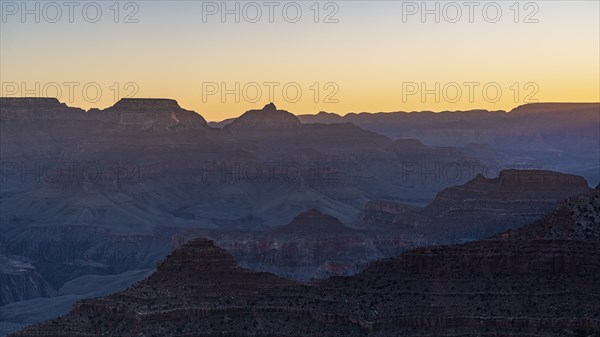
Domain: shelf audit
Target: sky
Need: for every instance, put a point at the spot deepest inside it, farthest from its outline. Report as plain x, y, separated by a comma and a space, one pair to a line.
223, 58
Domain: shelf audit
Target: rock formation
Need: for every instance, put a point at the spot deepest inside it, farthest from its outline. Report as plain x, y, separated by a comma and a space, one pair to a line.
267, 117
481, 207
19, 281
151, 113
313, 245
164, 171
555, 136
541, 280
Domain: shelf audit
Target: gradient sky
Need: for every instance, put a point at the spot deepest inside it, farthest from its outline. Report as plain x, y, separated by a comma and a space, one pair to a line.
370, 55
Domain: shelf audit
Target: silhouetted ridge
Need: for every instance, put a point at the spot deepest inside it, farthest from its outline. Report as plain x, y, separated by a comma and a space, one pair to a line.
44, 105
12, 101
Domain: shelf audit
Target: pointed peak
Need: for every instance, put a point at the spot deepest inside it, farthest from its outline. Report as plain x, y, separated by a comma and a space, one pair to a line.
268, 116
270, 107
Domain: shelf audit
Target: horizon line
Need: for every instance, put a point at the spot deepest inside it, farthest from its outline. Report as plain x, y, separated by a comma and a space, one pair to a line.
305, 114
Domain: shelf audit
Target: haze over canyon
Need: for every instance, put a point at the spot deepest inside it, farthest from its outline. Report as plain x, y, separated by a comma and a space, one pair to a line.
145, 219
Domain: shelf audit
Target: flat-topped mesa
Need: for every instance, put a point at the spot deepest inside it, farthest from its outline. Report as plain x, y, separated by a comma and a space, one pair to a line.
198, 254
142, 105
33, 107
486, 206
267, 117
9, 102
153, 113
521, 188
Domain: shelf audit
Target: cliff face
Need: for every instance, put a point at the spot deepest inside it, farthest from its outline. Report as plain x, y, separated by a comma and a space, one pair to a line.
541, 280
484, 207
481, 207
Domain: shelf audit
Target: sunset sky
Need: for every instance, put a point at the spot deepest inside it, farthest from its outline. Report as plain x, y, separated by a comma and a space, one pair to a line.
370, 60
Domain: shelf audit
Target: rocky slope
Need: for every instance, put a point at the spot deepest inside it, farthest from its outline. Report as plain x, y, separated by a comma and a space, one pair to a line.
541, 280
19, 281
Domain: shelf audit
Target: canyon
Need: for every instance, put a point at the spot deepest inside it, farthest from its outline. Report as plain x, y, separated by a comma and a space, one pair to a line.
100, 196
539, 280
